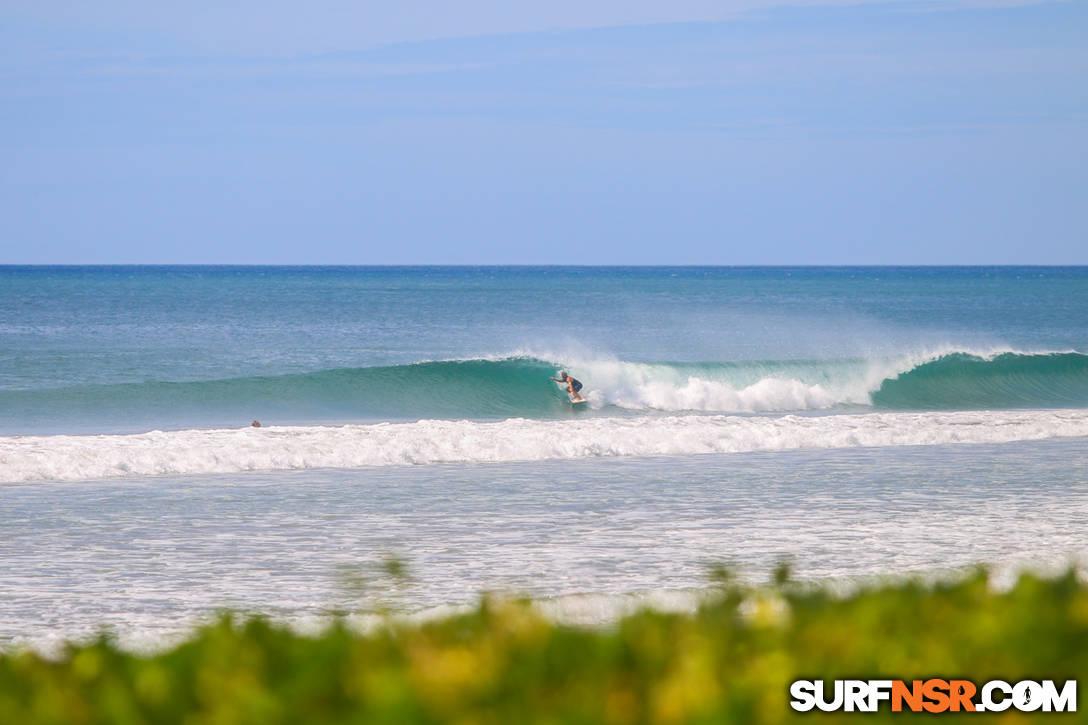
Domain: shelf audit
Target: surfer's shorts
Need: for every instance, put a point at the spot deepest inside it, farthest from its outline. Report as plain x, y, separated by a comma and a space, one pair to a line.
575, 385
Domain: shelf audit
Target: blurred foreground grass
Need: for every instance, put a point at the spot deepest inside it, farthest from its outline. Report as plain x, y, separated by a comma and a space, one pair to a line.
732, 661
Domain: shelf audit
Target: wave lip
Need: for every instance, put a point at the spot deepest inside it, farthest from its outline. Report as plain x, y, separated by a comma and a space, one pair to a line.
194, 452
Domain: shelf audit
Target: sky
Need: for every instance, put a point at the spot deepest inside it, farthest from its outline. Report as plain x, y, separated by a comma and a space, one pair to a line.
480, 132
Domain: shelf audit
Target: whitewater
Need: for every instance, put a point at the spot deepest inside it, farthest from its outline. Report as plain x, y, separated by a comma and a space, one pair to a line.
72, 458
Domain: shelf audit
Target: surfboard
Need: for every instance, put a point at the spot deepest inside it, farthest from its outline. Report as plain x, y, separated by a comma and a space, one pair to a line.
579, 401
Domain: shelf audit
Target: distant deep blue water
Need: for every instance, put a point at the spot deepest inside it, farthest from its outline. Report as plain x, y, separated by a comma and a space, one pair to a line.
415, 398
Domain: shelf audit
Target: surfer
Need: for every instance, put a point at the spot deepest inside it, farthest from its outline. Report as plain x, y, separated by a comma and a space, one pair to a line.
573, 386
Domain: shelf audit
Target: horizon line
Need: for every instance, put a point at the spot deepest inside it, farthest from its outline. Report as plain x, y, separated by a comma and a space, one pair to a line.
469, 265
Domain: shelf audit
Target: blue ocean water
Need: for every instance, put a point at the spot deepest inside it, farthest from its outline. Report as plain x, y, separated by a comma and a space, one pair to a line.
111, 349
928, 417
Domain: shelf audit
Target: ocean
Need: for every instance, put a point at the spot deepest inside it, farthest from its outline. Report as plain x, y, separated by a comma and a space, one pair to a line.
857, 422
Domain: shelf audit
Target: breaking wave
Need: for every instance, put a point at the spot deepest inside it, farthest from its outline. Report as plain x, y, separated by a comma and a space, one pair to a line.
519, 387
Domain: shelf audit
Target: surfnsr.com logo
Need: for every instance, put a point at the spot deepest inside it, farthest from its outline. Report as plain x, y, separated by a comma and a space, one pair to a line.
934, 695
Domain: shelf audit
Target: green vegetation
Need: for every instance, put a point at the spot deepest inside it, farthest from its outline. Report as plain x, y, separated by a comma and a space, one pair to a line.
732, 661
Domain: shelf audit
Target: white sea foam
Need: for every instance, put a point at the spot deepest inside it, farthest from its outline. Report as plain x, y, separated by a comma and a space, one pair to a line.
71, 458
746, 387
638, 386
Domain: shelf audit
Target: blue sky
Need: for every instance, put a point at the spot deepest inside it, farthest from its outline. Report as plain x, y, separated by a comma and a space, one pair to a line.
739, 132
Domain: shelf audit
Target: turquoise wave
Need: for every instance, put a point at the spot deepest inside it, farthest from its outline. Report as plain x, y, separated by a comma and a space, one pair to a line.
519, 387
1010, 380
461, 388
